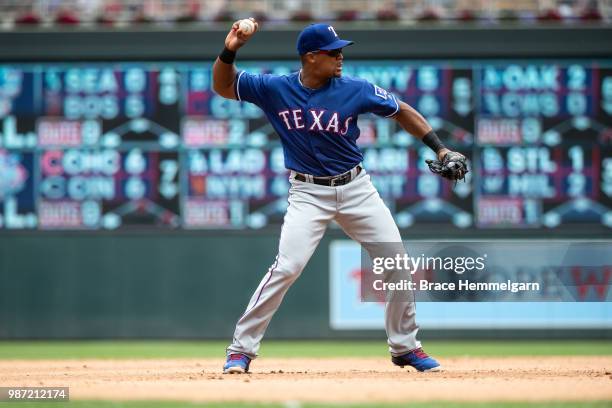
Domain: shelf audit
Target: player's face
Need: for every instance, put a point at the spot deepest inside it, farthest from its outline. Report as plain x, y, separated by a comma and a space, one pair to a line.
329, 62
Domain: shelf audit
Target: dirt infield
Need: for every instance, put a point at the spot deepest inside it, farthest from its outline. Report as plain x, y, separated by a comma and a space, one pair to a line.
322, 380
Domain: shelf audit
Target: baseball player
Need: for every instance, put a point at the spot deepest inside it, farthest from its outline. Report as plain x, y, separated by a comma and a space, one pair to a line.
315, 111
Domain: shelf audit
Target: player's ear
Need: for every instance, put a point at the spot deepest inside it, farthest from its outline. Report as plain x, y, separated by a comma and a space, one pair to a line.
309, 57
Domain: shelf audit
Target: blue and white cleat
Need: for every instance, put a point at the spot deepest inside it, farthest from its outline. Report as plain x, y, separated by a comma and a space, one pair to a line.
236, 364
417, 359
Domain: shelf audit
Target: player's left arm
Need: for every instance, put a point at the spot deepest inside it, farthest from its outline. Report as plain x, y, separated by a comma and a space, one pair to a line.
415, 124
450, 165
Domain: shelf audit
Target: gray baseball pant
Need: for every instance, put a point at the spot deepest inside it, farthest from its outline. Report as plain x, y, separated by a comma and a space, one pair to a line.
362, 214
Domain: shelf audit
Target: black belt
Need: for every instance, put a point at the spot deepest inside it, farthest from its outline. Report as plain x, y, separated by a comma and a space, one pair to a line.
334, 181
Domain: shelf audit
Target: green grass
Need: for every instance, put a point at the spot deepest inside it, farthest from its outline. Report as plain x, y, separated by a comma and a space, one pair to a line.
441, 404
285, 349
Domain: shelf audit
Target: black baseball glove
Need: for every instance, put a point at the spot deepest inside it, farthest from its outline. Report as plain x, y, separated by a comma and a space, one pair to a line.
453, 166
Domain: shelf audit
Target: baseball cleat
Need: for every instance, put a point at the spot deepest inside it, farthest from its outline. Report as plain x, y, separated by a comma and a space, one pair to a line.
236, 364
418, 359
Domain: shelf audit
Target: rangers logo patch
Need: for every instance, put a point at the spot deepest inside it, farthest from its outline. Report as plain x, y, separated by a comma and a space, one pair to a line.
380, 92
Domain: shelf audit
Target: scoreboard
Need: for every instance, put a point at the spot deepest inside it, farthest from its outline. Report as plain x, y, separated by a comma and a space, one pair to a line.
116, 145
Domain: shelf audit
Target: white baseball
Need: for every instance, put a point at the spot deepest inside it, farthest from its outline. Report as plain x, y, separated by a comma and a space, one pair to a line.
246, 26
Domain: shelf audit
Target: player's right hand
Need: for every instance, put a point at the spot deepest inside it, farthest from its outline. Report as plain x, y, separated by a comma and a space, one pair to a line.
236, 38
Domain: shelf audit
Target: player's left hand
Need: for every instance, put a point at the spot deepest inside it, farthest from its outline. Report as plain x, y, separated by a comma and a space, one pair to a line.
450, 165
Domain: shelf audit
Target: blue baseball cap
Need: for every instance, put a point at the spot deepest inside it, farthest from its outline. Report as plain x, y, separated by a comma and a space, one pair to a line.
319, 37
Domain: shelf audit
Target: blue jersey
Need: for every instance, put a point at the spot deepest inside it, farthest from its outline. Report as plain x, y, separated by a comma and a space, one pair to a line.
317, 127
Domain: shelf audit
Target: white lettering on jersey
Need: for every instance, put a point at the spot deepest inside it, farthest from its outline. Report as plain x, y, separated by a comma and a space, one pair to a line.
333, 123
297, 118
380, 92
316, 117
344, 131
285, 116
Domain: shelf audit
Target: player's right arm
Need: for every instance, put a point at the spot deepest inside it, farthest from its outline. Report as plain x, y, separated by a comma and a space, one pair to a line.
224, 73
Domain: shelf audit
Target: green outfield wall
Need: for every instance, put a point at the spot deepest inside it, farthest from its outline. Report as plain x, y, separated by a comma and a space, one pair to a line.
189, 42
168, 285
147, 285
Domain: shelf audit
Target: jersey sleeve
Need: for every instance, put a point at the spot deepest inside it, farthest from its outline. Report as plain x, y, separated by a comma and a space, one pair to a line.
379, 101
251, 87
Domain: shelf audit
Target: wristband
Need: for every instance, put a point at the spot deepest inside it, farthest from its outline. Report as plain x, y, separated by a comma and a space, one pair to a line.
228, 56
433, 142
